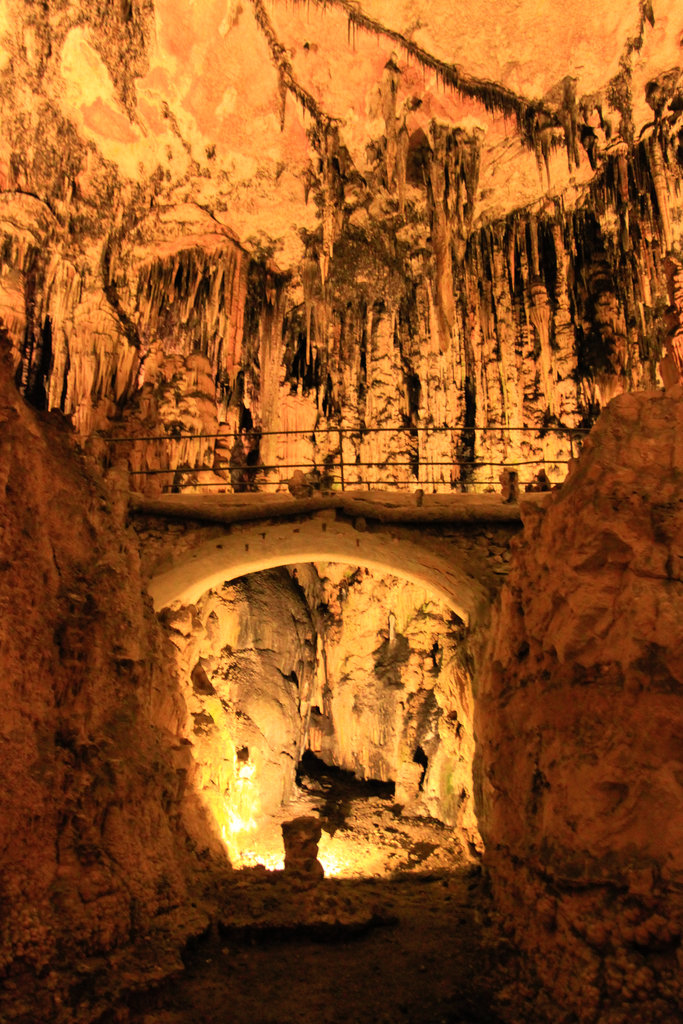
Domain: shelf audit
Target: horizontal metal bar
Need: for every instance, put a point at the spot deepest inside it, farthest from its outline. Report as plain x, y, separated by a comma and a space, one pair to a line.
365, 483
380, 465
350, 430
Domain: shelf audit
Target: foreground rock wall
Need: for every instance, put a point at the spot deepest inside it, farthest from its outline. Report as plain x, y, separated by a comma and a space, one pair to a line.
94, 862
580, 723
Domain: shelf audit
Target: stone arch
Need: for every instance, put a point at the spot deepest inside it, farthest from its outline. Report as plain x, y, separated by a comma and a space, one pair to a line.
258, 546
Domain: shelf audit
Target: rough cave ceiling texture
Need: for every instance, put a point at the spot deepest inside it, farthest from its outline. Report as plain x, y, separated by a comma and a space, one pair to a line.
229, 106
289, 215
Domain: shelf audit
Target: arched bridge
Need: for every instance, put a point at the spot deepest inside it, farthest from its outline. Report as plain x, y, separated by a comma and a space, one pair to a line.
455, 544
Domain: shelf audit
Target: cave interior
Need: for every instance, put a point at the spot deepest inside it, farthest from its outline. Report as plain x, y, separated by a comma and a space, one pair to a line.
341, 521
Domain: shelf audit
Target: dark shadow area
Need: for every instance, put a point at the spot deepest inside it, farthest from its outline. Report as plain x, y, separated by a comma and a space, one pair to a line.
339, 788
419, 757
414, 949
390, 656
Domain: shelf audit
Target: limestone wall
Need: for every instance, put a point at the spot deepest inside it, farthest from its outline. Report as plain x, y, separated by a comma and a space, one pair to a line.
580, 723
393, 686
94, 865
428, 260
246, 657
367, 672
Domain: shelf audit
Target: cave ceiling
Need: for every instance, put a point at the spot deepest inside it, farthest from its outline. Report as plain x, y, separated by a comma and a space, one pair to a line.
204, 118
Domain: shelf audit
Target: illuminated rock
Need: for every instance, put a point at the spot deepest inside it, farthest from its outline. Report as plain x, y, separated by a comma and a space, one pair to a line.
425, 243
268, 675
372, 243
301, 837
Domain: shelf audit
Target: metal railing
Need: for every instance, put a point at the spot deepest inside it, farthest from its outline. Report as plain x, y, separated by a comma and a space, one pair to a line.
334, 472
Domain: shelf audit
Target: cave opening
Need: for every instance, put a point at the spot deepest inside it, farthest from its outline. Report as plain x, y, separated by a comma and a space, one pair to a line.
313, 693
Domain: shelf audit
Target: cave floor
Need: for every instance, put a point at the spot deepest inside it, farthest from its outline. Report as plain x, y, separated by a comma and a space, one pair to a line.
413, 941
417, 949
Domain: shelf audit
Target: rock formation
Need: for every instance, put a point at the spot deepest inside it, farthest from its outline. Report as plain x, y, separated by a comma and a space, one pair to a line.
301, 837
579, 721
246, 662
448, 255
94, 855
367, 673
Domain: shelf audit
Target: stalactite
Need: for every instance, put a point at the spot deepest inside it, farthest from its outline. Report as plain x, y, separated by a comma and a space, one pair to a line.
659, 181
671, 366
331, 188
564, 359
282, 89
270, 360
402, 150
453, 179
622, 172
480, 330
284, 68
569, 118
199, 297
310, 280
540, 316
388, 93
19, 261
442, 228
508, 370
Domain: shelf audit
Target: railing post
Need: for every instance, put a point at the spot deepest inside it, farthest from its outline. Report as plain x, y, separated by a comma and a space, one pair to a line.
341, 457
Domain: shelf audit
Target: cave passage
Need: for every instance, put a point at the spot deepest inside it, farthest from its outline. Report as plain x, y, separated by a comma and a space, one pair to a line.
315, 691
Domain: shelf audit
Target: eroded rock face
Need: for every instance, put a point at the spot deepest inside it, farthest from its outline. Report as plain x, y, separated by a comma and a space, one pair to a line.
246, 656
93, 857
301, 837
393, 696
240, 219
580, 722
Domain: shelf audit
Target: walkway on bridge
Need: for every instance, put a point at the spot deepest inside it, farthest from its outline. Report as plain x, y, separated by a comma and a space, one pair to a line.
348, 458
379, 506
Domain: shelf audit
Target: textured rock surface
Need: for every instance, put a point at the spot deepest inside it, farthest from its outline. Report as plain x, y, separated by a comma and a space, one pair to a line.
254, 218
93, 856
393, 686
454, 235
301, 837
367, 673
580, 722
246, 658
